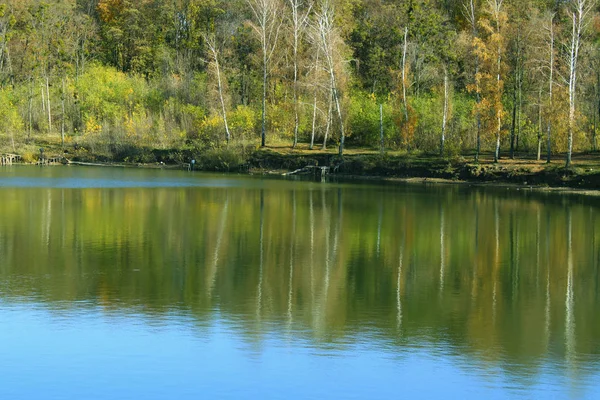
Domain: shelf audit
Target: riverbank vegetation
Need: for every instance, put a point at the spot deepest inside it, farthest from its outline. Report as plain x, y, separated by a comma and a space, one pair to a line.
127, 80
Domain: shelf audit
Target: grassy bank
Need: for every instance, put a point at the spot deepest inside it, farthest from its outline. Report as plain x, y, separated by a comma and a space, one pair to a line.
247, 157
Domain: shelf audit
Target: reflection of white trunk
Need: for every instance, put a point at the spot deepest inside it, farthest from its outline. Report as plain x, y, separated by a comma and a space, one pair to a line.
212, 272
312, 248
292, 249
474, 277
549, 267
261, 258
327, 257
442, 252
379, 222
63, 225
517, 270
48, 220
398, 291
547, 322
569, 301
496, 261
537, 251
320, 305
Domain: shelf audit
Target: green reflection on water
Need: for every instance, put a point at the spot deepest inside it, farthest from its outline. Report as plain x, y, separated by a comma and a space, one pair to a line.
510, 278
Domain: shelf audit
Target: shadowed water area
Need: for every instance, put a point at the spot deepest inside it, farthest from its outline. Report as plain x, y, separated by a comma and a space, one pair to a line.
151, 284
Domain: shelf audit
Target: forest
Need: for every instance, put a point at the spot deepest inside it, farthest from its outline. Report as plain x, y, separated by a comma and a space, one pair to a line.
511, 78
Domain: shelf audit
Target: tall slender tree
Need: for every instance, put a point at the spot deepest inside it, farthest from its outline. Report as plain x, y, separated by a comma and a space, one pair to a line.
300, 11
267, 24
329, 44
491, 50
580, 10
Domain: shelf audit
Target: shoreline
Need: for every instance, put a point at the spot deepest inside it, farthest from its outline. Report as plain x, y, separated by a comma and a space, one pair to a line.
491, 184
521, 174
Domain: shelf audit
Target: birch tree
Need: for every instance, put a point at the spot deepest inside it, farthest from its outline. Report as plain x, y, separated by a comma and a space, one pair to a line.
405, 75
445, 112
299, 18
329, 45
470, 13
580, 10
551, 57
267, 24
211, 43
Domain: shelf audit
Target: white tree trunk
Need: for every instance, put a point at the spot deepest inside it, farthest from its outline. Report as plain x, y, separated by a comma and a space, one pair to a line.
580, 20
62, 119
325, 21
298, 23
328, 124
49, 107
267, 25
497, 9
314, 117
551, 84
404, 101
540, 129
212, 46
445, 112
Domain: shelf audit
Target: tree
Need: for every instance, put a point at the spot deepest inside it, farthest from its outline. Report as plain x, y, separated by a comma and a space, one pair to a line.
470, 13
10, 120
490, 49
267, 23
214, 52
580, 10
299, 18
329, 46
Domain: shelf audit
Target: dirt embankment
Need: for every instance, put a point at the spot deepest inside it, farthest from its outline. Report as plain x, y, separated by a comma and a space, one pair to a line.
585, 173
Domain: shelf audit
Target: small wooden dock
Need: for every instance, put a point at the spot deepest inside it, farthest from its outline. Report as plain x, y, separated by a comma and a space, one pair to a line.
9, 159
52, 160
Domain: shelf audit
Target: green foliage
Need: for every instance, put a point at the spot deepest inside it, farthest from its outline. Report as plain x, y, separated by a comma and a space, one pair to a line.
244, 122
429, 116
10, 120
364, 118
110, 96
221, 159
118, 74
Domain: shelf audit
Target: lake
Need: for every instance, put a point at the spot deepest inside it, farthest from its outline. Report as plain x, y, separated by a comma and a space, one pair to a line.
156, 284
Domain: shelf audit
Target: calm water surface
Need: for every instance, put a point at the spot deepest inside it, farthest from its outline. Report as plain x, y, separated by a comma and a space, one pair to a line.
150, 284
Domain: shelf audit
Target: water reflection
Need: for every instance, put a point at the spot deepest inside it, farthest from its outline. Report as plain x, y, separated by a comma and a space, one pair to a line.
506, 280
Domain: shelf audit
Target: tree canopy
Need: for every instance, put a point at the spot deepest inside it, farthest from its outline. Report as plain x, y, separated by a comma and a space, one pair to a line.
489, 74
